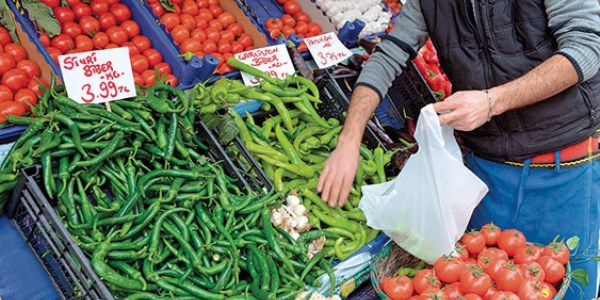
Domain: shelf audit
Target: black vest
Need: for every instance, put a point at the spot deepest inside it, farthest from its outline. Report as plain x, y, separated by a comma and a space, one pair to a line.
495, 42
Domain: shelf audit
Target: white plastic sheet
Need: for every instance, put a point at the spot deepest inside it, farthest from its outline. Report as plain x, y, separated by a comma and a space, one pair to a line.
426, 209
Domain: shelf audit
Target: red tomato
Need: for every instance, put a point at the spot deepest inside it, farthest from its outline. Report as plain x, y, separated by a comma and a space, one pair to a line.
89, 25
291, 7
14, 79
288, 20
472, 297
509, 278
121, 12
226, 19
63, 14
188, 22
133, 50
158, 10
149, 77
81, 9
51, 3
492, 268
163, 68
29, 67
63, 42
154, 57
491, 232
236, 28
131, 27
170, 20
202, 3
475, 281
99, 6
209, 47
139, 63
554, 270
12, 108
6, 94
170, 79
213, 36
204, 14
141, 42
71, 29
397, 287
274, 33
510, 240
532, 289
111, 46
215, 10
302, 16
532, 270
490, 293
138, 79
117, 35
286, 30
4, 36
448, 269
190, 45
54, 53
425, 280
25, 96
237, 47
180, 33
198, 35
434, 295
7, 62
505, 296
100, 40
474, 241
314, 28
301, 27
72, 3
452, 291
549, 287
44, 38
224, 48
527, 253
38, 85
488, 254
215, 25
107, 20
84, 43
556, 250
189, 7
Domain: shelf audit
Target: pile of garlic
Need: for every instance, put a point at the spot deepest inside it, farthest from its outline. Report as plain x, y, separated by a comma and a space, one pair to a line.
371, 12
292, 216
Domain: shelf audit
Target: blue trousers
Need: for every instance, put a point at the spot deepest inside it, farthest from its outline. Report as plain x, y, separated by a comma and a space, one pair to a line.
543, 202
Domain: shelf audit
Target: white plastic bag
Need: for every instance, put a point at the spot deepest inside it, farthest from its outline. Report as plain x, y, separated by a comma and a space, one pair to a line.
426, 209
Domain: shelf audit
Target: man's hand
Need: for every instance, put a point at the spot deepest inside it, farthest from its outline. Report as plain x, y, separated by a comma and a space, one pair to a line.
464, 111
338, 174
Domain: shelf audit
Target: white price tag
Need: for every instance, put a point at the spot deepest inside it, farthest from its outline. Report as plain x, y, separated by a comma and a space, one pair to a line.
98, 76
273, 60
327, 49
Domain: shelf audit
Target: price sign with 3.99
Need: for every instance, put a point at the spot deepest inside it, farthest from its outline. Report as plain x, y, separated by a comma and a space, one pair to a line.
98, 76
327, 50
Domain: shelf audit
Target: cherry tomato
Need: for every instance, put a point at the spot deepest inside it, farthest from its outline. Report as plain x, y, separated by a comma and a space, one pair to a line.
100, 40
139, 63
44, 38
170, 20
291, 7
302, 17
51, 3
163, 68
6, 94
121, 12
29, 67
505, 296
38, 85
533, 290
448, 269
7, 62
141, 42
25, 96
63, 14
81, 9
397, 287
131, 27
12, 108
475, 281
107, 20
556, 250
15, 79
474, 241
4, 36
491, 232
509, 278
425, 280
180, 33
510, 240
117, 35
154, 57
554, 270
189, 7
63, 42
99, 6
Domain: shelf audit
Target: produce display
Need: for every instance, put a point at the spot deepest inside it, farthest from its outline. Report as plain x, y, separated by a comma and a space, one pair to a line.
156, 215
487, 264
294, 21
20, 78
428, 64
203, 27
371, 12
77, 26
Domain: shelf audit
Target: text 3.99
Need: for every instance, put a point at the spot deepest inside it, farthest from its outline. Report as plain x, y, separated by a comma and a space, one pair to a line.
106, 89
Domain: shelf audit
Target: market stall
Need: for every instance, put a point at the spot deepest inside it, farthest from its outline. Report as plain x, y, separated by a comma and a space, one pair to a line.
172, 150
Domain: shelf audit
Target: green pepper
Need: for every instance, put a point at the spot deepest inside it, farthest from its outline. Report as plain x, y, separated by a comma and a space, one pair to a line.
282, 92
235, 63
378, 158
287, 146
276, 102
218, 91
301, 170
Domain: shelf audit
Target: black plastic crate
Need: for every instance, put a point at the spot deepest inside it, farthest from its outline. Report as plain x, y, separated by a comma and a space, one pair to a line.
34, 216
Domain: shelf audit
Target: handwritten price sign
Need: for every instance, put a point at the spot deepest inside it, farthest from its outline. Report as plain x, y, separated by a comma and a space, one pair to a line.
98, 76
327, 50
273, 60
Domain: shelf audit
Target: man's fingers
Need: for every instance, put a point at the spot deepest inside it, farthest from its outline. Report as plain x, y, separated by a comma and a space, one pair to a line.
327, 185
335, 191
346, 186
322, 178
444, 106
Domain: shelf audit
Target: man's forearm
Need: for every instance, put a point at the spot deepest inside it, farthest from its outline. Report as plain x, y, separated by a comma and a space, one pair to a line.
546, 80
363, 104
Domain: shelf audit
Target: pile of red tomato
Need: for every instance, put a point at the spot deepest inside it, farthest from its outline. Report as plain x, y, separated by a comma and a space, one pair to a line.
428, 64
490, 264
294, 21
104, 24
394, 6
20, 78
202, 27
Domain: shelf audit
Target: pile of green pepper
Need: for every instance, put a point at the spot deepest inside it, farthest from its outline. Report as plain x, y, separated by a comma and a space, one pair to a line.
292, 146
158, 218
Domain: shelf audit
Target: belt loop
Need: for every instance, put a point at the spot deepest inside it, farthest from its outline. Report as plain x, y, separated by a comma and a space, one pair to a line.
557, 161
521, 191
